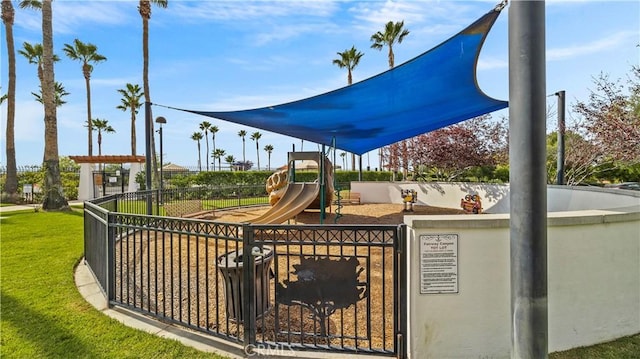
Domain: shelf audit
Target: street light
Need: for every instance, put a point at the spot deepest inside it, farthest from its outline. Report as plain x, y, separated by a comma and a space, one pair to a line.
161, 120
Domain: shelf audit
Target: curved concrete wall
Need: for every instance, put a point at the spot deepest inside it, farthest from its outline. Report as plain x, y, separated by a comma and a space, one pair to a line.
495, 197
593, 240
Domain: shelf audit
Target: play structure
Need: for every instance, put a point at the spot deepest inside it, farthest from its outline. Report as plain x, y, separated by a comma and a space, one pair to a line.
471, 203
409, 197
288, 197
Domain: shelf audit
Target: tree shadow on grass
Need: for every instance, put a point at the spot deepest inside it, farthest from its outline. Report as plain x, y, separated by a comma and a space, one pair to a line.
49, 339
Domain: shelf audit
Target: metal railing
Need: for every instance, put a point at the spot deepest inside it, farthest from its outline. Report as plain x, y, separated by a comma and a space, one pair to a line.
190, 272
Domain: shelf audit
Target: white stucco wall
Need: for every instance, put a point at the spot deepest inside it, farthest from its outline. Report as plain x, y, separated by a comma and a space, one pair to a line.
495, 197
133, 172
85, 187
593, 278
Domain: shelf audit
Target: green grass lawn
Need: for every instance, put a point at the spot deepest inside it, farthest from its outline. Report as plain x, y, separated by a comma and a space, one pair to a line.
44, 316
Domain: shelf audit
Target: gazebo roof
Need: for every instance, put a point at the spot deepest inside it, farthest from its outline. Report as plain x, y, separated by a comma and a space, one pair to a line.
108, 159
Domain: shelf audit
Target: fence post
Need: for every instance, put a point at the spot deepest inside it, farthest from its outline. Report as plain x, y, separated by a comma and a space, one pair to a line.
401, 298
111, 266
248, 278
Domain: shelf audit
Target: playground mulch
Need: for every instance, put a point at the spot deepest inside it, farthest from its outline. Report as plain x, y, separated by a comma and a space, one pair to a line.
345, 321
296, 319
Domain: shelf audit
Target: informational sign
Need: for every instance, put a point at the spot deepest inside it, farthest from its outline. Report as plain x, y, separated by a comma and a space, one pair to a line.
438, 263
113, 179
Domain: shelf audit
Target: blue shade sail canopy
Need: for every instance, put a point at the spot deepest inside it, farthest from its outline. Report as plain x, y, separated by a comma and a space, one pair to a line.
435, 89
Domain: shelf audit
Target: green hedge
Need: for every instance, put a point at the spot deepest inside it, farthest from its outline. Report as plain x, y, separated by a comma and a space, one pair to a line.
235, 178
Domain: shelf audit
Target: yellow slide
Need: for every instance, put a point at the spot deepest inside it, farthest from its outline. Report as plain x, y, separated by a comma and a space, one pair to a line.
297, 197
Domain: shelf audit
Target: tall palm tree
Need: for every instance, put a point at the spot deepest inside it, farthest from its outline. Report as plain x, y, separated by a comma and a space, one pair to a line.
205, 127
144, 8
197, 136
268, 149
344, 162
34, 55
349, 59
60, 93
101, 126
255, 137
242, 134
130, 101
86, 54
53, 194
213, 130
393, 32
230, 160
218, 154
11, 181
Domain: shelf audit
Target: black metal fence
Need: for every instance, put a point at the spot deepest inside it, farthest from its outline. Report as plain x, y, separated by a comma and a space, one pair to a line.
322, 287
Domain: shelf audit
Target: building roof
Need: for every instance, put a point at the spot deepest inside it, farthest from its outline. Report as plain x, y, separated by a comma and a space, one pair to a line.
108, 159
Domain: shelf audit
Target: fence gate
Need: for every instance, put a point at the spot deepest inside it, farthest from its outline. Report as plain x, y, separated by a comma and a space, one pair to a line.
333, 288
110, 182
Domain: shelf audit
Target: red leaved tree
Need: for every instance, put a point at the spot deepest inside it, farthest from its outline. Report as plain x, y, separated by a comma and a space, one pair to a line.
450, 151
611, 118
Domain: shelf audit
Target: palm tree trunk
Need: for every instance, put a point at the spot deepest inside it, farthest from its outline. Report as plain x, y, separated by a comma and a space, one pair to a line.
206, 139
11, 183
89, 124
53, 196
213, 140
258, 154
199, 158
99, 143
147, 95
133, 132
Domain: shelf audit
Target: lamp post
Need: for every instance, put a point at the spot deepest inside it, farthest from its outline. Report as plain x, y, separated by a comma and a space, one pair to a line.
161, 120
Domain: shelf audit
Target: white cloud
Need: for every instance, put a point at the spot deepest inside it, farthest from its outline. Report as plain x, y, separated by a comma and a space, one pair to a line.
371, 16
600, 45
249, 10
68, 16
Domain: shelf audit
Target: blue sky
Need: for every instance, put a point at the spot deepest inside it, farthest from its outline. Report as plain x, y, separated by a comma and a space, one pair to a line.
233, 55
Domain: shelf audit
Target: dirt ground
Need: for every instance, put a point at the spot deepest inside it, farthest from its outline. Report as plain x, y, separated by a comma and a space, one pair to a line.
382, 213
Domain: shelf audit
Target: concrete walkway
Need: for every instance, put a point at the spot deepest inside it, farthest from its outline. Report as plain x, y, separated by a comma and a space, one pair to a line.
32, 206
89, 289
91, 292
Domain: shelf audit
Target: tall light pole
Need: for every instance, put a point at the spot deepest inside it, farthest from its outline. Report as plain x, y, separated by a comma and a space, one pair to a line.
528, 193
161, 120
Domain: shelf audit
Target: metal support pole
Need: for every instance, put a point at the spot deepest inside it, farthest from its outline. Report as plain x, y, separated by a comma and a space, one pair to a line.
147, 150
322, 186
528, 194
161, 174
561, 111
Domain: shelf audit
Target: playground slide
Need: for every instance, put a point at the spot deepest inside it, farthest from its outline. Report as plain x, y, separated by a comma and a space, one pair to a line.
296, 199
